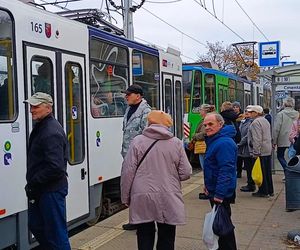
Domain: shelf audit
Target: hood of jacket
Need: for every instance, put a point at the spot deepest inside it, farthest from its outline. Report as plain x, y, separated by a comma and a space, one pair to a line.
226, 131
229, 115
157, 132
291, 113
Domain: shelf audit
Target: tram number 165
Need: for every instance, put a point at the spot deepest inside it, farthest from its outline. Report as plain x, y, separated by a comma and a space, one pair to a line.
36, 27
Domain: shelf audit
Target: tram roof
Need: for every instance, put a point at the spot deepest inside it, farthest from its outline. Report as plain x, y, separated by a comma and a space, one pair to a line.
214, 71
121, 40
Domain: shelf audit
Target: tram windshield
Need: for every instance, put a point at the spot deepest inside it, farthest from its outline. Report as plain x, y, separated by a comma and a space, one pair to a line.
7, 103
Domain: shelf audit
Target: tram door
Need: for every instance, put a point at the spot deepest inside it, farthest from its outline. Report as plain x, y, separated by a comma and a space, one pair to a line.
172, 101
223, 96
61, 76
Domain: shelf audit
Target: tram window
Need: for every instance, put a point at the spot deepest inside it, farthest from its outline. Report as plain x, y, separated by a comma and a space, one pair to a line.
231, 90
240, 93
41, 75
187, 86
145, 71
74, 112
197, 91
247, 98
210, 88
108, 78
7, 85
178, 103
168, 97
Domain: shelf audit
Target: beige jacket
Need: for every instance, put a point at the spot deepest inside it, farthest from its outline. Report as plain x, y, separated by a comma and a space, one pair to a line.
259, 137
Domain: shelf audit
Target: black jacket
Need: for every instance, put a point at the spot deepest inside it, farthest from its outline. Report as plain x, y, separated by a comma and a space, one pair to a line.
230, 119
47, 156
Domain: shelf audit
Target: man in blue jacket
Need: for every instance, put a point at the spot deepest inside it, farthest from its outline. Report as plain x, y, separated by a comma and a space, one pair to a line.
220, 169
46, 176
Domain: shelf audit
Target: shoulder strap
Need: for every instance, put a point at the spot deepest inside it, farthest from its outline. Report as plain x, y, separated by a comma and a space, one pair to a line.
147, 151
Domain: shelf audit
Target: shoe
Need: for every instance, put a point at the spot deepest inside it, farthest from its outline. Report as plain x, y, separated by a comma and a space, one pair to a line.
258, 194
247, 189
203, 196
290, 210
239, 175
129, 227
271, 194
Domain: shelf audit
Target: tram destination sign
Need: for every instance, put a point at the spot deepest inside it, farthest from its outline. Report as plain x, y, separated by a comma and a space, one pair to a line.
288, 87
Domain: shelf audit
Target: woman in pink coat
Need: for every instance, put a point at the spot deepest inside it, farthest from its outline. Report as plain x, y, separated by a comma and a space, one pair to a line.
153, 190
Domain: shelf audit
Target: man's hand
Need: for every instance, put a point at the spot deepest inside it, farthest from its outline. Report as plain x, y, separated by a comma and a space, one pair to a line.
274, 146
217, 200
205, 190
32, 193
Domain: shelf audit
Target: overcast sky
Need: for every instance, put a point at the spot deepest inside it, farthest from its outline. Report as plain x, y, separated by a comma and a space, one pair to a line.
276, 19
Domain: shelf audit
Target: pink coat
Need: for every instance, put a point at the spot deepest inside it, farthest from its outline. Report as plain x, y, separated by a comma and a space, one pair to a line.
156, 187
294, 131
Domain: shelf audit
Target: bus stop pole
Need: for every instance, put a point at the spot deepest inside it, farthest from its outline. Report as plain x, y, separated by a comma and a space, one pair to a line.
274, 113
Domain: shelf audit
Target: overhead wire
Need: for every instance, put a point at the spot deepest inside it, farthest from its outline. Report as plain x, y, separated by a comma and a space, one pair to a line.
251, 20
158, 46
162, 2
172, 26
203, 6
213, 5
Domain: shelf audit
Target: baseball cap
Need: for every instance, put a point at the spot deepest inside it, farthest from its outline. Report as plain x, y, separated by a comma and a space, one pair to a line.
255, 108
39, 98
134, 88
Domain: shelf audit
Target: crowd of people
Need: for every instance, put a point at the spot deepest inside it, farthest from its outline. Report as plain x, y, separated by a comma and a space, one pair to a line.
155, 163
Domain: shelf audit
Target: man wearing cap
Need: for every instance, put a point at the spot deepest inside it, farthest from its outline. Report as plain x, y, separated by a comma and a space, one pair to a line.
135, 120
260, 145
46, 176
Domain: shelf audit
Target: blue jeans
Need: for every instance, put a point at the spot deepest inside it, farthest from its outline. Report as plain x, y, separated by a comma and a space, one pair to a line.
201, 160
47, 220
280, 157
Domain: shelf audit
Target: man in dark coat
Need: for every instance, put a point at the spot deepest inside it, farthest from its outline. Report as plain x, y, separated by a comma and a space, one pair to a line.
46, 176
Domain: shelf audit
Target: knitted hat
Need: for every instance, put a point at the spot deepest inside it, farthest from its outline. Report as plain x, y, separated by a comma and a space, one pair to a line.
160, 117
236, 104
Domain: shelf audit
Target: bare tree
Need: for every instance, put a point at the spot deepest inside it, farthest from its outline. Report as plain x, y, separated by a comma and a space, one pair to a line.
228, 60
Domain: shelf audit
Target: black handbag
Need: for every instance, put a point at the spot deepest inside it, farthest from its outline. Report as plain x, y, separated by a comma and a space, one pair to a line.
222, 224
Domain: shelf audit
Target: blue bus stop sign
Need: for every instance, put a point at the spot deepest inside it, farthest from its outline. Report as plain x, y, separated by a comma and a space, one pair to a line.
288, 63
269, 54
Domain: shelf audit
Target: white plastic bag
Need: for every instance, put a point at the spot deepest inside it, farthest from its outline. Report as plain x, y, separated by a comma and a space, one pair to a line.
208, 236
